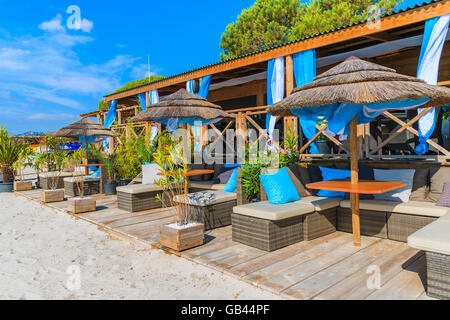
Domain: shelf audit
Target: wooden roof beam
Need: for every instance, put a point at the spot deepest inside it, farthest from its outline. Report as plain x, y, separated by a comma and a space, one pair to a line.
362, 30
383, 36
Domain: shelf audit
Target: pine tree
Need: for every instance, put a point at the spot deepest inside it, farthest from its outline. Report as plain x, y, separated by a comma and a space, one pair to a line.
271, 22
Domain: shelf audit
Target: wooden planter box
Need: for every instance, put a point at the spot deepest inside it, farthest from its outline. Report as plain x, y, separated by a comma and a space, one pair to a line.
183, 238
48, 196
23, 185
81, 205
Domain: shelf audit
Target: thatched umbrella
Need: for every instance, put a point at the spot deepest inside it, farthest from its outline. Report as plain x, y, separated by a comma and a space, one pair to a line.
83, 128
359, 82
182, 104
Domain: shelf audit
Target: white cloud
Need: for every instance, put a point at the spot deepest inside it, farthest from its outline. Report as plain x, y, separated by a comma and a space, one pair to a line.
86, 25
54, 25
51, 116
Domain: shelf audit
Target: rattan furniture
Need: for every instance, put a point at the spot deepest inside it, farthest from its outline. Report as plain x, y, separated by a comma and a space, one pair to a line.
434, 239
91, 185
211, 208
139, 197
46, 177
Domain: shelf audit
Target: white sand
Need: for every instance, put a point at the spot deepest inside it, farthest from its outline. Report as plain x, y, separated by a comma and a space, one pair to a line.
38, 245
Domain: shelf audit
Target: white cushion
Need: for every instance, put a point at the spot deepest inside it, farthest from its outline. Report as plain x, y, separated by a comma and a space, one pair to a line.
322, 203
150, 173
139, 188
403, 175
206, 198
435, 237
274, 212
417, 208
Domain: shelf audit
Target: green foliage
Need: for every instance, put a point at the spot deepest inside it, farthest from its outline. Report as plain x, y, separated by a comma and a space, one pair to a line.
103, 105
249, 176
39, 162
138, 83
272, 22
132, 153
265, 24
169, 158
446, 115
10, 153
109, 161
289, 154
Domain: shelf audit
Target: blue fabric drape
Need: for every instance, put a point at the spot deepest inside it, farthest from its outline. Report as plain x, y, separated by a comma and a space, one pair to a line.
111, 115
304, 72
204, 87
142, 101
433, 41
275, 89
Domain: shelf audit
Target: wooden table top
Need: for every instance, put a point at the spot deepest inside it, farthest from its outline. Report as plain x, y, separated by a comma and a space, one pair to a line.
364, 187
191, 173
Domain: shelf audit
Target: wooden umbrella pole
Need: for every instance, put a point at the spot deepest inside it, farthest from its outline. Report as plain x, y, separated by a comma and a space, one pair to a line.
354, 197
86, 169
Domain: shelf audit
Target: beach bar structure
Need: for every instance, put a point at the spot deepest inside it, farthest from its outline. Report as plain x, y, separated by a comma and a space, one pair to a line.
240, 87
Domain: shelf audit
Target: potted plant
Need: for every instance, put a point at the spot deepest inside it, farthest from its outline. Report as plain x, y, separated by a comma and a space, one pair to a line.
81, 203
109, 163
10, 152
39, 162
322, 142
59, 159
20, 165
185, 233
127, 159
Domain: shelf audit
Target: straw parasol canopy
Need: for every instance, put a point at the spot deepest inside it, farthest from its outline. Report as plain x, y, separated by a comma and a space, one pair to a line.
356, 81
182, 104
83, 128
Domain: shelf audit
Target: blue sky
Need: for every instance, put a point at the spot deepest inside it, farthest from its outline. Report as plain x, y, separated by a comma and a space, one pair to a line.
49, 74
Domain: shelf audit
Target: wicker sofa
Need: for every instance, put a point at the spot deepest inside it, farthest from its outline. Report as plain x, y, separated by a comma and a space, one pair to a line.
138, 197
91, 185
212, 208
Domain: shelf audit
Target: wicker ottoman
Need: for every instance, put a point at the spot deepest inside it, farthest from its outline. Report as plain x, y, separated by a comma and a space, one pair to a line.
434, 239
267, 226
138, 197
91, 186
44, 180
401, 226
212, 208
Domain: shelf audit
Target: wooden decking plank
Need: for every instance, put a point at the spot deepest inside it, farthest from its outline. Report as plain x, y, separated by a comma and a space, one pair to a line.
145, 229
277, 256
320, 261
230, 256
139, 219
308, 252
333, 274
221, 239
407, 285
355, 286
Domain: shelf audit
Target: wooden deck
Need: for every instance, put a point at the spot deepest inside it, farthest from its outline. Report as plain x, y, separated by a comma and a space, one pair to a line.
326, 268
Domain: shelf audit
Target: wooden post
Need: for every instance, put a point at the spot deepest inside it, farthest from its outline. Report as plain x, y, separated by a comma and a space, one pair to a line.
354, 197
290, 122
119, 117
147, 98
86, 146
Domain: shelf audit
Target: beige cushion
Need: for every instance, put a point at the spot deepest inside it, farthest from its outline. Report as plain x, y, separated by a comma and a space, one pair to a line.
446, 217
438, 176
274, 212
207, 185
420, 187
321, 203
435, 237
206, 198
139, 188
52, 174
417, 208
79, 178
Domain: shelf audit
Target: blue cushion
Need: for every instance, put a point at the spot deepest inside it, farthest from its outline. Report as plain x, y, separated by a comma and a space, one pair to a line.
333, 174
231, 184
232, 165
279, 187
96, 174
